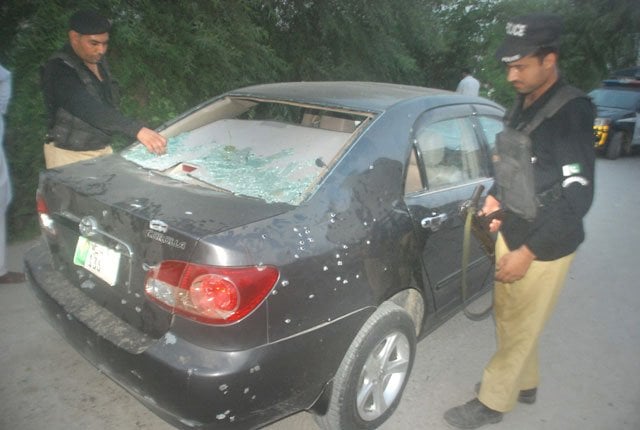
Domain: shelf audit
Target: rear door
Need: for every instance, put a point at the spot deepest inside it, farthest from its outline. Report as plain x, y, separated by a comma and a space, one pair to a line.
450, 158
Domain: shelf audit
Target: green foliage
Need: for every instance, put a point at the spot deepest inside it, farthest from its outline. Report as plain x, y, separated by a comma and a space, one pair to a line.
172, 55
603, 36
346, 40
26, 121
169, 55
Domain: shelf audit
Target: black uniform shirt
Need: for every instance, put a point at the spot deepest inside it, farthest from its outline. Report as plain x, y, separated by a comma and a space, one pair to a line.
564, 154
64, 89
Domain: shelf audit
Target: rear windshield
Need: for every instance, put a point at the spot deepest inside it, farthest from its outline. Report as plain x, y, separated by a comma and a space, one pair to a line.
271, 151
620, 99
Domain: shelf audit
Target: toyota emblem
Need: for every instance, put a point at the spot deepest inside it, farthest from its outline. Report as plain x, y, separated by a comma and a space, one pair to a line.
88, 226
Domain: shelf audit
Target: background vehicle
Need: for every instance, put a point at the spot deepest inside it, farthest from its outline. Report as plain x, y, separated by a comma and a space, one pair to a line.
627, 73
618, 102
285, 255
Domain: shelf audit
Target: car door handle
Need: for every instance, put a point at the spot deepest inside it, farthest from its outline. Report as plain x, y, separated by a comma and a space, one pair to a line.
433, 223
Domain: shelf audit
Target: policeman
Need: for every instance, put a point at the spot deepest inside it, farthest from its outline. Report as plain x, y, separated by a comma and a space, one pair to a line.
81, 97
533, 256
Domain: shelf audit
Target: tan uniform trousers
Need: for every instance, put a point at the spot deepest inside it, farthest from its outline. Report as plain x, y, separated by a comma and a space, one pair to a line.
57, 157
521, 311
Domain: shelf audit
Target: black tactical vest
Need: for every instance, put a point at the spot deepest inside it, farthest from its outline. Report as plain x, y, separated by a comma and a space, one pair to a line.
70, 132
513, 161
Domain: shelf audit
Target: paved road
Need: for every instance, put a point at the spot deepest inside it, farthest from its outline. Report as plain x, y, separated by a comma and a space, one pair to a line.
590, 350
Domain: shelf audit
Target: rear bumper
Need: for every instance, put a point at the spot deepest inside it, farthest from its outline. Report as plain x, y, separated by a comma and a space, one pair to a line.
187, 385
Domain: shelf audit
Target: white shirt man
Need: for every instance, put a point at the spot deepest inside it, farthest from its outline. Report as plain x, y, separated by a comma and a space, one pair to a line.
6, 277
469, 86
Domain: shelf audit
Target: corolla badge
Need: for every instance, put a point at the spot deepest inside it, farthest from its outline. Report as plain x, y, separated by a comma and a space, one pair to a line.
88, 226
158, 225
159, 228
165, 239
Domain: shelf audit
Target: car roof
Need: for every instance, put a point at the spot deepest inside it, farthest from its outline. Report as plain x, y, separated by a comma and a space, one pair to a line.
363, 96
622, 84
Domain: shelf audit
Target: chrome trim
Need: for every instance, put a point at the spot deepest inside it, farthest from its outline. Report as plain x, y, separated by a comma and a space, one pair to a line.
96, 230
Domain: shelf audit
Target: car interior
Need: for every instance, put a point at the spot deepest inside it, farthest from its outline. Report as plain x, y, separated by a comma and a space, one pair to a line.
272, 151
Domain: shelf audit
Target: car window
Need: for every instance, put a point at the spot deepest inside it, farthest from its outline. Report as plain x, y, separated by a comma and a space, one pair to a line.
450, 153
272, 151
490, 128
413, 182
620, 99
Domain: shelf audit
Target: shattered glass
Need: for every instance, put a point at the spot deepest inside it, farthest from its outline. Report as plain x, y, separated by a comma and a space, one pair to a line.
275, 177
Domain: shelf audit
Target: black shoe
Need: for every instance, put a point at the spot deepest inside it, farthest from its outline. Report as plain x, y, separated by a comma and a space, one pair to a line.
528, 396
472, 415
12, 278
525, 396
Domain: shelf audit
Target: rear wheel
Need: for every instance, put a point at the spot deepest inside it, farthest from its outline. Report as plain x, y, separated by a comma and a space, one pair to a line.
374, 372
626, 143
616, 145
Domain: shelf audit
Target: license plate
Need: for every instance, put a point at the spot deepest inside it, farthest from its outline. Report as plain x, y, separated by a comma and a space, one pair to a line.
97, 259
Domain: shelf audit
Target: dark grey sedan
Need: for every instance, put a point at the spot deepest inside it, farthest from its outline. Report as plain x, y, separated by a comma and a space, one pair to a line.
284, 255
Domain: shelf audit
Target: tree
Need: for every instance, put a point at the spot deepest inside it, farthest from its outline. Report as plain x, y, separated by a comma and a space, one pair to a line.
334, 39
602, 36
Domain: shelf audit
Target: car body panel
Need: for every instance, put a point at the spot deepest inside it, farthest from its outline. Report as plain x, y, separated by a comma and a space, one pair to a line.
362, 96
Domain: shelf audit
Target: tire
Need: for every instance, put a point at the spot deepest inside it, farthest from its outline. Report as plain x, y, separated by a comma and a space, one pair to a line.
615, 146
374, 372
627, 150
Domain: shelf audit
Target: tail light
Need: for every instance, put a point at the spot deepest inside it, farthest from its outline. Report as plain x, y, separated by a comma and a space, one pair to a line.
209, 294
46, 223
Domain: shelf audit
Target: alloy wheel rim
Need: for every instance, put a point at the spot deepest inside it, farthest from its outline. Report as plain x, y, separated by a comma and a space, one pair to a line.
382, 376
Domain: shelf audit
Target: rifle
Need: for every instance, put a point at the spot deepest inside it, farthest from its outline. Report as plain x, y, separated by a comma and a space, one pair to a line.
478, 225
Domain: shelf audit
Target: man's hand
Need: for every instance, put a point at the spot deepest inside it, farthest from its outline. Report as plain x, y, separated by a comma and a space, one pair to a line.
514, 265
155, 143
491, 204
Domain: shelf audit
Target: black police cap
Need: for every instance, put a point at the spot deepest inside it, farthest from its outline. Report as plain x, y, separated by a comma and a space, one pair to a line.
89, 22
526, 34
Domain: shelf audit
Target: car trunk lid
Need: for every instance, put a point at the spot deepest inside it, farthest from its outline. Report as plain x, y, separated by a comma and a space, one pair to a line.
113, 221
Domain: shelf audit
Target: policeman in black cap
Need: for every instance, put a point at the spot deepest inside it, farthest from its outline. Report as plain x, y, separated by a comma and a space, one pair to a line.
533, 253
82, 98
